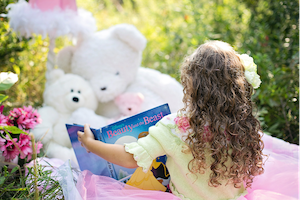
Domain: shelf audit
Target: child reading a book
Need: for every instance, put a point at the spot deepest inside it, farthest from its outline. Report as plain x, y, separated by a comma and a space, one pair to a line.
213, 145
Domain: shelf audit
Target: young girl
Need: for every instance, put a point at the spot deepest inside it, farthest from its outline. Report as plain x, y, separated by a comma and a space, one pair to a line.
213, 145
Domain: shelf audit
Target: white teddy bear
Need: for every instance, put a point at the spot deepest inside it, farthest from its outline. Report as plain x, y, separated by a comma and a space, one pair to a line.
110, 60
64, 94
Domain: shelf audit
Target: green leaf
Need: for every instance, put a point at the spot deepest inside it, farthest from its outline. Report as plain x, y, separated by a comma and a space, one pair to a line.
14, 169
13, 130
7, 79
274, 127
2, 179
10, 185
3, 97
5, 86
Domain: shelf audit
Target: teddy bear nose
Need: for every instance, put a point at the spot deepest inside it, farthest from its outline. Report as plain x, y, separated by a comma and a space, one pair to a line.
103, 88
75, 99
129, 109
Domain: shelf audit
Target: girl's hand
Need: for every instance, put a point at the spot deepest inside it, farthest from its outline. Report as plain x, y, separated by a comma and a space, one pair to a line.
85, 137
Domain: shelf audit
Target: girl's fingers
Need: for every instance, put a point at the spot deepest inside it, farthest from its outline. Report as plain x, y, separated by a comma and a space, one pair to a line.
79, 134
88, 131
87, 127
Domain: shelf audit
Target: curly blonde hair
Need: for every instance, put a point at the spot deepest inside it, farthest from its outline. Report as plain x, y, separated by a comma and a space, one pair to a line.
217, 97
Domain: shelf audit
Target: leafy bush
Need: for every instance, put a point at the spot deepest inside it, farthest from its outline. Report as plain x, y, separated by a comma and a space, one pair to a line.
273, 40
25, 57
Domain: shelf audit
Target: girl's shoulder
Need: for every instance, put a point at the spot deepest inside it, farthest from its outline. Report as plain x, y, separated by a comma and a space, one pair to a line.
168, 119
177, 123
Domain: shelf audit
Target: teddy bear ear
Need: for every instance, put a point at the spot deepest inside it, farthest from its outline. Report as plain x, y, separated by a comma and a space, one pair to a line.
131, 35
64, 58
54, 75
118, 99
140, 97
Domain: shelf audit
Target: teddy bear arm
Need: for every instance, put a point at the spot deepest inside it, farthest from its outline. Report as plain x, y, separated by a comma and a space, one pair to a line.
162, 85
44, 131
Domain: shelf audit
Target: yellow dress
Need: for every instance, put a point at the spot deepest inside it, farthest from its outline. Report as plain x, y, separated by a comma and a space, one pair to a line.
147, 181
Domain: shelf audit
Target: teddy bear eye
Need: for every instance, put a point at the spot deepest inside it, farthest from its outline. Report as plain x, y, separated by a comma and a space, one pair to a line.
117, 73
79, 91
72, 90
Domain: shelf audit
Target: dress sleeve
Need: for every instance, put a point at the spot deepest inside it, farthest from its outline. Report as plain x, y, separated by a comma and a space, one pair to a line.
146, 149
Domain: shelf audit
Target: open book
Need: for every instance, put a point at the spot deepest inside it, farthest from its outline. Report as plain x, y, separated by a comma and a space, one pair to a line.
124, 131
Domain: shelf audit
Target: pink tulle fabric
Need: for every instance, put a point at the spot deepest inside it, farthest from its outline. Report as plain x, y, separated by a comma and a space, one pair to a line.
279, 181
93, 187
53, 4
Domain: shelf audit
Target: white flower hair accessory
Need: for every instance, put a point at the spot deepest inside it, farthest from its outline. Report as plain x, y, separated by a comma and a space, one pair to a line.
250, 70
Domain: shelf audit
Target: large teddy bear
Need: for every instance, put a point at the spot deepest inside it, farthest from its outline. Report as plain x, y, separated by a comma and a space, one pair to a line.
110, 60
64, 94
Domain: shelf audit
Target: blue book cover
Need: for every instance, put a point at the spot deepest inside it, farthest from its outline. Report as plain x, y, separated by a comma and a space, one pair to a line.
87, 161
124, 131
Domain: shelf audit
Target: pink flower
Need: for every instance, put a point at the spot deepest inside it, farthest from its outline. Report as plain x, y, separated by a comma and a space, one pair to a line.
24, 118
1, 108
10, 151
25, 145
207, 134
3, 120
24, 139
39, 145
26, 151
2, 142
182, 123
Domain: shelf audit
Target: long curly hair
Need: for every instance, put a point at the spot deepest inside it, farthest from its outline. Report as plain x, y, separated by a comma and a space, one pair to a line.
217, 99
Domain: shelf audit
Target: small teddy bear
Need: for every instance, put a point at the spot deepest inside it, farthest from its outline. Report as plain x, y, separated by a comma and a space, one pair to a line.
64, 94
129, 103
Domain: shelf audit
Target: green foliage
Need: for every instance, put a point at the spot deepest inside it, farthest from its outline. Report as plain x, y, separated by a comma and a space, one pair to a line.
16, 184
10, 44
7, 80
12, 130
24, 57
273, 41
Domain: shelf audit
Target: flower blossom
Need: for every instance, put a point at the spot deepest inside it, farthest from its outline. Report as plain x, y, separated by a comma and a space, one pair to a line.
2, 142
253, 78
10, 151
182, 123
3, 120
25, 145
250, 70
7, 79
24, 118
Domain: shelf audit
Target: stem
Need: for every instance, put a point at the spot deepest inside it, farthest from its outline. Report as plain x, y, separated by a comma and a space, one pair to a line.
44, 135
17, 189
36, 192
